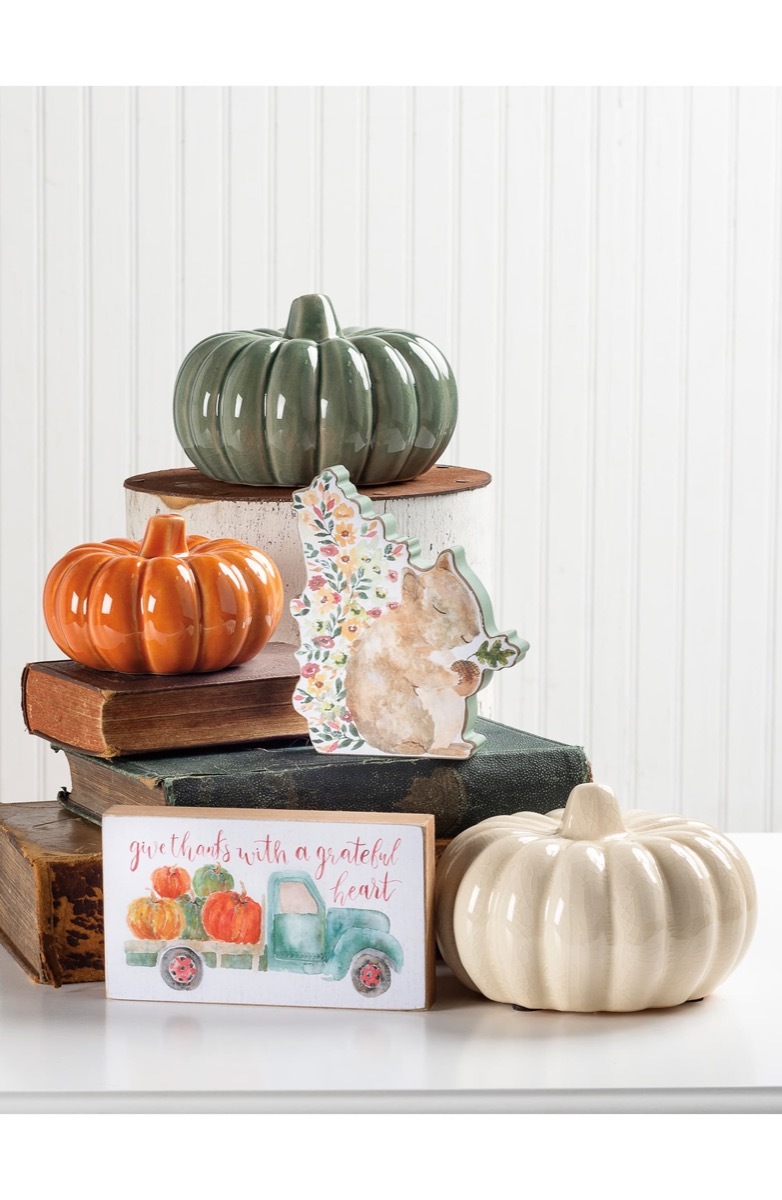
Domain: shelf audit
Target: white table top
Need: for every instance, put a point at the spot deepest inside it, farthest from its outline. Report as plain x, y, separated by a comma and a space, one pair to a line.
71, 1050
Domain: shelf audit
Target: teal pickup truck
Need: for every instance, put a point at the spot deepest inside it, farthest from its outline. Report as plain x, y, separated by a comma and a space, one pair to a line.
301, 934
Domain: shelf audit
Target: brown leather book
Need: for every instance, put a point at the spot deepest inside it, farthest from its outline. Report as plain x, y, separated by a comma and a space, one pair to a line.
109, 714
51, 893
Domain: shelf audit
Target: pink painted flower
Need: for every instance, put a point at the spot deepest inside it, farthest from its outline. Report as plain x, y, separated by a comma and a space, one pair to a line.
331, 551
325, 641
347, 715
335, 596
332, 746
398, 550
309, 669
374, 612
393, 576
297, 606
394, 604
317, 581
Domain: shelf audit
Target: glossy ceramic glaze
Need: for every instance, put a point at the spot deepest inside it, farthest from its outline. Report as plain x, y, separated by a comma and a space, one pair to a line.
585, 909
272, 406
169, 605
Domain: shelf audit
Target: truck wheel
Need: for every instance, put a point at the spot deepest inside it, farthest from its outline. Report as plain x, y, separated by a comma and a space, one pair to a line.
181, 968
370, 973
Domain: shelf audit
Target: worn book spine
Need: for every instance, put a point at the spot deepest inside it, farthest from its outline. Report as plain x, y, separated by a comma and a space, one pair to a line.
51, 893
111, 715
537, 778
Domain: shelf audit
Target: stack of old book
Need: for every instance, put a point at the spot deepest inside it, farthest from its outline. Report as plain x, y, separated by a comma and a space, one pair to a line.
229, 739
232, 738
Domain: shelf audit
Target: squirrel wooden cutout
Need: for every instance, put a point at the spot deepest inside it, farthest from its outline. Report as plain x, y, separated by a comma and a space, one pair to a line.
392, 652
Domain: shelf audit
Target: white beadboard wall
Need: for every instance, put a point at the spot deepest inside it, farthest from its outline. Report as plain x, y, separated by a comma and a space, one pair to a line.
601, 266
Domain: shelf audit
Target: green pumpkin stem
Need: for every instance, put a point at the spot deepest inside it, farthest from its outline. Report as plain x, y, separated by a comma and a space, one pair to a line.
313, 317
164, 536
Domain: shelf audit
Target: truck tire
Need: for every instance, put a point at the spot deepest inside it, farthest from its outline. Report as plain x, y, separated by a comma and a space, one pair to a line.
181, 968
370, 973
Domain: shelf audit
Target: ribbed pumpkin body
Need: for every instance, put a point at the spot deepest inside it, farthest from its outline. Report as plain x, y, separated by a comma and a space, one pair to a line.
276, 407
167, 606
232, 917
153, 919
584, 910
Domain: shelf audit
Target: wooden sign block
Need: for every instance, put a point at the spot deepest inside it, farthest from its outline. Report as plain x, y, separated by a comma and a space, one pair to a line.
393, 650
298, 908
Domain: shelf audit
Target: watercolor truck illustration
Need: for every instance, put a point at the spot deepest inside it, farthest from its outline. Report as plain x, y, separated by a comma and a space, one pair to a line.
185, 926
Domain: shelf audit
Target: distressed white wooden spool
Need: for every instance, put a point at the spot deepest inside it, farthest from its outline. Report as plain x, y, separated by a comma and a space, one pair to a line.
447, 506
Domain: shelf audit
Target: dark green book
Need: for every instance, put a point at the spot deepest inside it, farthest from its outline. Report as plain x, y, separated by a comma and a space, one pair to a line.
512, 771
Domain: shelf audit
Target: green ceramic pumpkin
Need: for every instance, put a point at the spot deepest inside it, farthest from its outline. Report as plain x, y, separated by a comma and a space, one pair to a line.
276, 407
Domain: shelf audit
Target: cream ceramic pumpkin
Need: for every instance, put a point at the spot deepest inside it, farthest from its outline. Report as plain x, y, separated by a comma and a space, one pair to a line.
585, 909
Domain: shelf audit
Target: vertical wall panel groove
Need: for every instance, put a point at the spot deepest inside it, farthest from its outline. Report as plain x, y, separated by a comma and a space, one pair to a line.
319, 174
41, 332
226, 242
500, 319
633, 687
729, 431
362, 181
772, 809
454, 290
677, 799
271, 204
180, 210
545, 403
86, 298
410, 128
727, 493
591, 417
133, 277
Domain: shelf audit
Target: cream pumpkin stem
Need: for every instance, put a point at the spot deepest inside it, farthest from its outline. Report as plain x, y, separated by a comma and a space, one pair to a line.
591, 813
165, 535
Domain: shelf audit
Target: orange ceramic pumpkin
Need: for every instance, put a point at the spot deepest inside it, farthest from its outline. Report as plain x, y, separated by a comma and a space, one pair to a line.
171, 882
156, 920
169, 605
232, 917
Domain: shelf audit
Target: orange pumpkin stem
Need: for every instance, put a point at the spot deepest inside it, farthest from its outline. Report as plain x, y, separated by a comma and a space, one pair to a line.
165, 535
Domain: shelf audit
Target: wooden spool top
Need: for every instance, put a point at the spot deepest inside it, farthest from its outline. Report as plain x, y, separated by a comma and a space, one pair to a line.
185, 485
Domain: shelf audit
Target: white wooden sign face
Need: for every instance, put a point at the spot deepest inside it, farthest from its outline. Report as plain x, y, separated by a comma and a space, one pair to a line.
329, 910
